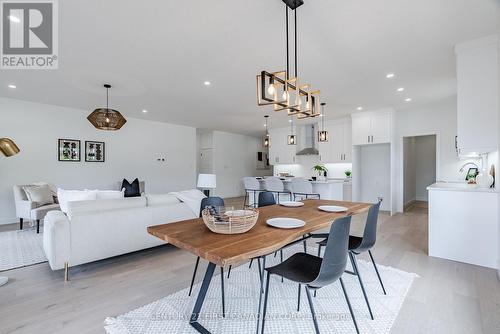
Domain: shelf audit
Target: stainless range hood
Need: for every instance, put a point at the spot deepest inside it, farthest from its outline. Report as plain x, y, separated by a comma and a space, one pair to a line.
309, 147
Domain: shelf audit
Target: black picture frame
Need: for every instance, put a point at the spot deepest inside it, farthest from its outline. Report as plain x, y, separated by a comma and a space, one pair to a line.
95, 151
69, 150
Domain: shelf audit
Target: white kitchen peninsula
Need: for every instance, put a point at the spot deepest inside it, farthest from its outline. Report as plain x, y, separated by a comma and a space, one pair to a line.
463, 223
329, 189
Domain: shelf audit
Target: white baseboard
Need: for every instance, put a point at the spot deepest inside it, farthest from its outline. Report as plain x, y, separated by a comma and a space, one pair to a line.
6, 221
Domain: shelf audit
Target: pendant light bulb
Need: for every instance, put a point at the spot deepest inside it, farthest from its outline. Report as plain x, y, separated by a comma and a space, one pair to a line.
271, 90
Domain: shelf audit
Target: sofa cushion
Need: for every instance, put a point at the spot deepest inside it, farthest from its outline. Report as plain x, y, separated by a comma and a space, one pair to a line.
131, 189
161, 199
110, 194
40, 194
87, 207
66, 196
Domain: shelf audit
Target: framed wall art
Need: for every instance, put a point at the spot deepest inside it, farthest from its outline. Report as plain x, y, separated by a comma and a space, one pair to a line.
68, 150
94, 151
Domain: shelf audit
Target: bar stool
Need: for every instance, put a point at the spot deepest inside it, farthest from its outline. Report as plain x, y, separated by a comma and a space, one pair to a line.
276, 186
302, 187
252, 185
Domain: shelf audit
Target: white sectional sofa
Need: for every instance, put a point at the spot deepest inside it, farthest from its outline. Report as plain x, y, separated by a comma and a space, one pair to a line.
98, 229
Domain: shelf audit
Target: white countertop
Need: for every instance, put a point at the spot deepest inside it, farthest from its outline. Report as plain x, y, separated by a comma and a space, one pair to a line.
460, 186
328, 181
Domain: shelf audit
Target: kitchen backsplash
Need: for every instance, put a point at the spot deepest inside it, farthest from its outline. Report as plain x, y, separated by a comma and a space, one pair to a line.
305, 164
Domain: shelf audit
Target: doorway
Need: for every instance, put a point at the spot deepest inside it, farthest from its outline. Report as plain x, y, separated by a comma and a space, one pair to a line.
419, 171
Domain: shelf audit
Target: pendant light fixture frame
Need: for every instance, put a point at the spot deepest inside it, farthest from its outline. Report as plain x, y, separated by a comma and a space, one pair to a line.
291, 139
323, 134
106, 118
266, 141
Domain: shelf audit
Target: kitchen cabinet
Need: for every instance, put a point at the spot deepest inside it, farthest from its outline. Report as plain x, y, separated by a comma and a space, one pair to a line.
338, 148
477, 95
279, 151
371, 128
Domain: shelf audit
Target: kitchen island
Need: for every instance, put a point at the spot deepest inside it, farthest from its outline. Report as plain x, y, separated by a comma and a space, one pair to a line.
330, 189
463, 223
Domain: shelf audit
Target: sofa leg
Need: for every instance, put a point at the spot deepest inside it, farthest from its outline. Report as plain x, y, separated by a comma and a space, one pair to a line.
66, 272
21, 223
38, 226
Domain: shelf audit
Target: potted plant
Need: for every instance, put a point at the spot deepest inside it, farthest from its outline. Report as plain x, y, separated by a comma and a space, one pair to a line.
321, 170
348, 174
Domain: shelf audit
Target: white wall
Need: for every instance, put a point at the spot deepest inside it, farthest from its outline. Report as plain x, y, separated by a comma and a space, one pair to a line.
234, 157
375, 174
425, 165
130, 152
409, 170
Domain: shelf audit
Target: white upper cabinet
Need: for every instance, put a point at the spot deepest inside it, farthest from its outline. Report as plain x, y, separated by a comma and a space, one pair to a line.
338, 148
477, 95
371, 128
279, 150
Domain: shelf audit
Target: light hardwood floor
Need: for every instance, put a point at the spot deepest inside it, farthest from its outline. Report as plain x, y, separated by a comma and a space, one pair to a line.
449, 297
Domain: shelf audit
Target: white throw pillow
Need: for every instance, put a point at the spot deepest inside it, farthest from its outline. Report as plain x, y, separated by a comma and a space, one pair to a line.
110, 194
40, 194
66, 196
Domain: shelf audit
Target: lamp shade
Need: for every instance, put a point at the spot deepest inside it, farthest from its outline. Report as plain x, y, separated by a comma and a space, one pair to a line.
8, 147
207, 181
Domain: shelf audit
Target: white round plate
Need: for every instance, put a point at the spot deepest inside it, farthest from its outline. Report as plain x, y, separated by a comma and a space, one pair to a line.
292, 204
285, 222
238, 213
332, 208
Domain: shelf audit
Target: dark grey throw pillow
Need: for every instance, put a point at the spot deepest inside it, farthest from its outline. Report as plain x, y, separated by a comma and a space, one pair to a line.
131, 189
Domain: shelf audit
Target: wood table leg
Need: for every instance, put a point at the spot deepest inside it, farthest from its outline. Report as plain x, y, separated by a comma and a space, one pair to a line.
200, 299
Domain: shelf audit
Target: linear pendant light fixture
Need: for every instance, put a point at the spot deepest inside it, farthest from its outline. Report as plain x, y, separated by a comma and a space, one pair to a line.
281, 90
267, 140
105, 118
323, 134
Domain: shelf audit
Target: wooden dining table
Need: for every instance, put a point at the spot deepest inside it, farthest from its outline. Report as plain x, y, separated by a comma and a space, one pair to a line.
222, 249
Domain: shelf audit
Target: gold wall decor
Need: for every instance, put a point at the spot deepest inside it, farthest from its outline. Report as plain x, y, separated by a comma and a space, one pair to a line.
8, 147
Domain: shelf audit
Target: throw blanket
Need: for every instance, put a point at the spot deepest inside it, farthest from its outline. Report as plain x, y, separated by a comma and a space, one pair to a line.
191, 197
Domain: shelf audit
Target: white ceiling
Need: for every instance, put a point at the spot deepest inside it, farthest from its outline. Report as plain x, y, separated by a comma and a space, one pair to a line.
158, 53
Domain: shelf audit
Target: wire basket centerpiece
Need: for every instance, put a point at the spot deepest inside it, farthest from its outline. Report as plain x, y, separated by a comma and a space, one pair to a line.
227, 220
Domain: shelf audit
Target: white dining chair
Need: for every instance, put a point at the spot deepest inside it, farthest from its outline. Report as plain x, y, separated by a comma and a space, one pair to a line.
303, 188
252, 185
276, 186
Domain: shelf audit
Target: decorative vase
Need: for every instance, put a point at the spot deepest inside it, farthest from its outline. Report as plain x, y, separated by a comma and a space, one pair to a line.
484, 180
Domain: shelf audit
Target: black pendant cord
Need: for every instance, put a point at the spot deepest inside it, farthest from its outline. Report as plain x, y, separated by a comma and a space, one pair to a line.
107, 98
287, 46
295, 12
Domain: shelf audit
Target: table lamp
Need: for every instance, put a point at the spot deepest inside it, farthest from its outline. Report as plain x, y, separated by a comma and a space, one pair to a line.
207, 182
8, 149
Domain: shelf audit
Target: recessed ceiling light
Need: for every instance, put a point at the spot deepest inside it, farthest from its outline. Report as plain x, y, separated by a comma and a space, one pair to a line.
289, 121
14, 19
265, 125
401, 89
12, 86
408, 99
359, 108
207, 83
144, 111
389, 75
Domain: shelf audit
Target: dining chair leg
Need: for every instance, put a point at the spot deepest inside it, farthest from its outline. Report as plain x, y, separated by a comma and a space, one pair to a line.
250, 265
356, 272
245, 201
376, 270
281, 260
305, 245
298, 299
222, 288
254, 199
290, 195
268, 279
311, 306
261, 292
229, 271
349, 304
194, 275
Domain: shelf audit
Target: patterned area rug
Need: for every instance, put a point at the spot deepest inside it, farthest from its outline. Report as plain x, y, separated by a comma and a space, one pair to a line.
171, 314
20, 249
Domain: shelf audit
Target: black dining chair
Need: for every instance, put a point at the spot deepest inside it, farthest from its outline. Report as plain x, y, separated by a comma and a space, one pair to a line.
315, 272
266, 198
210, 202
359, 245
